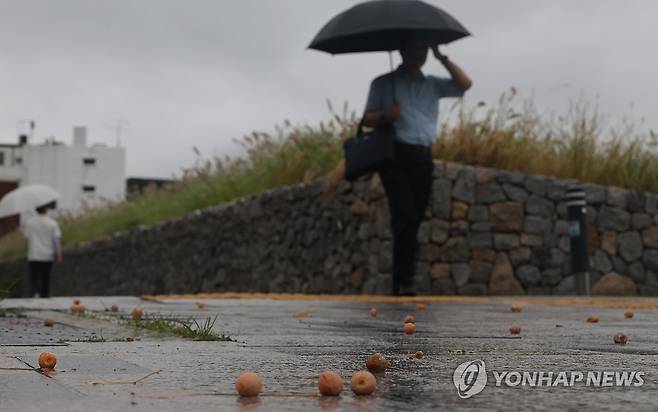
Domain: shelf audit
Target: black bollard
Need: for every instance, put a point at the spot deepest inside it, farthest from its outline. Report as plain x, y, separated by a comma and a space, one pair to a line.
577, 211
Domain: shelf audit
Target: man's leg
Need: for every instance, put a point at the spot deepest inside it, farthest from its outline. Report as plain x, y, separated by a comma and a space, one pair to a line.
402, 210
420, 178
46, 267
33, 269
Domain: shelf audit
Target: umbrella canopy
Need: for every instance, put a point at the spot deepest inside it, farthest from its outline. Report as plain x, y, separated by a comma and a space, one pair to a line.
26, 199
385, 25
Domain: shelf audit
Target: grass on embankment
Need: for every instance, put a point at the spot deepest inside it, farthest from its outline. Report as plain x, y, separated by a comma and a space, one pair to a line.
576, 145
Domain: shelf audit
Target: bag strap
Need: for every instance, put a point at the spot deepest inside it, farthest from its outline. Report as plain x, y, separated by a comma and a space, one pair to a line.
359, 130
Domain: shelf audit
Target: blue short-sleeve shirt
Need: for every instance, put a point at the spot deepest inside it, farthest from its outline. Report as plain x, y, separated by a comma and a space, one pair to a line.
419, 103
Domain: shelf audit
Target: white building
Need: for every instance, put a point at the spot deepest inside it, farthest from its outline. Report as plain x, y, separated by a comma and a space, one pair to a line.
82, 174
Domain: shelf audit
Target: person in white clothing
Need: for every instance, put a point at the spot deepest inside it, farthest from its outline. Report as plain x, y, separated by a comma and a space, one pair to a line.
43, 239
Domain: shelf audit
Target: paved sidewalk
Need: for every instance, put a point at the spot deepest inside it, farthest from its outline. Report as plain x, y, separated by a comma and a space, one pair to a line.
289, 352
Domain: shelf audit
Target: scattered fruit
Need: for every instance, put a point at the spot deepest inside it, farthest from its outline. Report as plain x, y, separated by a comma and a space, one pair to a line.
200, 305
363, 383
248, 384
137, 313
419, 354
78, 308
517, 308
376, 363
330, 383
409, 319
409, 328
620, 339
48, 322
515, 329
628, 313
114, 308
373, 312
420, 306
76, 301
302, 313
47, 360
592, 319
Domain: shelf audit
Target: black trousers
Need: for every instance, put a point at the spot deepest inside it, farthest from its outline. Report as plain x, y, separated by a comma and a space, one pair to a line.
408, 185
40, 278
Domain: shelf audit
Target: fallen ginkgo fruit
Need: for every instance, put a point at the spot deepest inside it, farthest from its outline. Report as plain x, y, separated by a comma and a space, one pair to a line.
48, 322
376, 363
200, 305
373, 312
409, 319
330, 383
363, 383
592, 319
114, 308
47, 360
515, 329
620, 339
420, 306
409, 328
419, 354
248, 384
137, 313
517, 308
78, 308
302, 313
76, 301
628, 313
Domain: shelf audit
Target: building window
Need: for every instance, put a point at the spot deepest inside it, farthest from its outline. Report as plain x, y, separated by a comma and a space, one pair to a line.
2, 158
88, 188
89, 161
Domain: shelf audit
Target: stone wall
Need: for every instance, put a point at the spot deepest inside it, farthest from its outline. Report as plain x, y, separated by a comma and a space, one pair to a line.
486, 232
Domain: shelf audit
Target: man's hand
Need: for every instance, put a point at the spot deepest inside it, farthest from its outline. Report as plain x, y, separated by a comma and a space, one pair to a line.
437, 54
391, 113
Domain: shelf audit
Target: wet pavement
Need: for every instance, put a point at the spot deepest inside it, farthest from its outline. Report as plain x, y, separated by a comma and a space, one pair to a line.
289, 353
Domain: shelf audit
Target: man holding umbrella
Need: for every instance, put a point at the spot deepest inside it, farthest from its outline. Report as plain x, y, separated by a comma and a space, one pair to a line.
412, 109
405, 99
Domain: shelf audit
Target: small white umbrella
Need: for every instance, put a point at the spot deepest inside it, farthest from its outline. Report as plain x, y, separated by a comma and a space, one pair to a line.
26, 199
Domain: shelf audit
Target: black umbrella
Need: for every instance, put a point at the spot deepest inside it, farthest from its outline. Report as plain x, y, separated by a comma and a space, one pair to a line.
384, 25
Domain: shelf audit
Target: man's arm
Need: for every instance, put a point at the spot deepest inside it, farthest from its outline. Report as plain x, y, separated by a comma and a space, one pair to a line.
382, 117
460, 78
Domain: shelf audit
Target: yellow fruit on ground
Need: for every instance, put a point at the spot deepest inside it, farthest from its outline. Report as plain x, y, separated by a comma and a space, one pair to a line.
409, 319
363, 383
409, 328
47, 360
376, 363
48, 322
330, 383
248, 384
137, 313
373, 312
515, 329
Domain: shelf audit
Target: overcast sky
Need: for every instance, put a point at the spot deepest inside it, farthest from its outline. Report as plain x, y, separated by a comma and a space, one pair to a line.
198, 73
